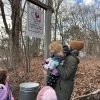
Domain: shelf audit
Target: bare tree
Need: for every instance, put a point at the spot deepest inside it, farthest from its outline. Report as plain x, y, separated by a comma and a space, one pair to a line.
57, 4
77, 22
14, 31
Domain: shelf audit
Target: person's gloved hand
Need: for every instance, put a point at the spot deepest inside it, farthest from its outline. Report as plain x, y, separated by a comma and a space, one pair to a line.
46, 64
55, 71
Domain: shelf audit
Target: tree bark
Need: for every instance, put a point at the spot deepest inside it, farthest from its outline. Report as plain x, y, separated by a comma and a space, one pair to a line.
4, 17
14, 35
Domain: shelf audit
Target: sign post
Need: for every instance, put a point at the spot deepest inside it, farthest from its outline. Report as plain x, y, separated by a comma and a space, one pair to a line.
41, 5
48, 16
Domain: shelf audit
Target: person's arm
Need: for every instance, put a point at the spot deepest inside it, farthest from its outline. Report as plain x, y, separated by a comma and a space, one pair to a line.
51, 65
69, 66
12, 98
9, 91
10, 94
47, 64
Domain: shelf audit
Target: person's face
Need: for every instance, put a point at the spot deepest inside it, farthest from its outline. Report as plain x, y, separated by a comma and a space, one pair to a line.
7, 79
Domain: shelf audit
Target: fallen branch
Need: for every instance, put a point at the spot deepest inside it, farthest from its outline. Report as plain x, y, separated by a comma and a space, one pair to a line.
92, 93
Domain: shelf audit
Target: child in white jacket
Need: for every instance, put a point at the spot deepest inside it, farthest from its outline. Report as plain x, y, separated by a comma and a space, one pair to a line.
54, 62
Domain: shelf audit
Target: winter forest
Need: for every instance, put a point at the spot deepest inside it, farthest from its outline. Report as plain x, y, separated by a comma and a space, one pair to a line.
22, 53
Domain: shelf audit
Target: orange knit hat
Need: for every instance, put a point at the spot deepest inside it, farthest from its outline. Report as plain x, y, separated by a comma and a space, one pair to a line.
76, 44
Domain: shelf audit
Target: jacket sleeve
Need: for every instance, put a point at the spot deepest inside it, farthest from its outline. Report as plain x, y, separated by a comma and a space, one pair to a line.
52, 64
9, 91
67, 69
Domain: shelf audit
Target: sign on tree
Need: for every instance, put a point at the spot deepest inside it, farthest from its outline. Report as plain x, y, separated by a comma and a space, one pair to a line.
35, 22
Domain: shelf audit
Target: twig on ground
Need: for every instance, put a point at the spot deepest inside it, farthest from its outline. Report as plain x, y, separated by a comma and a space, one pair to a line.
92, 93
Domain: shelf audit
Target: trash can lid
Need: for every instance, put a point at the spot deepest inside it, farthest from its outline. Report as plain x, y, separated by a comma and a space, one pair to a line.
29, 85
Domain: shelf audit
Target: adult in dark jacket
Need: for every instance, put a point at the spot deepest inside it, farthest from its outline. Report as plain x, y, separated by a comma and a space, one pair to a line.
65, 83
64, 86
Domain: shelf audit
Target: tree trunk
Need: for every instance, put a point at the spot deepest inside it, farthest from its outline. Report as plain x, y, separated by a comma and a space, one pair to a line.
14, 35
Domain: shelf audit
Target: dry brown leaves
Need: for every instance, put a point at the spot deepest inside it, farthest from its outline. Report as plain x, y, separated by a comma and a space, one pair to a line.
87, 77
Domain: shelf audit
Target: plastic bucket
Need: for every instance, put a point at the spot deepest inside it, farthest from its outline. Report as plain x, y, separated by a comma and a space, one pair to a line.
28, 91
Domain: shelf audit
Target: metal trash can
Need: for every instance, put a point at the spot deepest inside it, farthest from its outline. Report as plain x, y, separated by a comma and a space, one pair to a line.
28, 91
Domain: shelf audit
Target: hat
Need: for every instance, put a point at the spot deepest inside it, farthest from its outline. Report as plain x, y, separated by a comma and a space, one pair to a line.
47, 93
76, 44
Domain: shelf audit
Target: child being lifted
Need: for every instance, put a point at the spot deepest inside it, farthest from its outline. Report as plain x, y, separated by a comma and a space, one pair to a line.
56, 59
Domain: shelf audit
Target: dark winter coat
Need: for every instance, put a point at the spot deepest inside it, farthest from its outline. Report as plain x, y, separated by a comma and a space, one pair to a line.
64, 86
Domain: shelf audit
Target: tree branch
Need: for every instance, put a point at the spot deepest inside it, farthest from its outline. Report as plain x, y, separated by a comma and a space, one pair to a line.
23, 9
4, 17
92, 93
10, 1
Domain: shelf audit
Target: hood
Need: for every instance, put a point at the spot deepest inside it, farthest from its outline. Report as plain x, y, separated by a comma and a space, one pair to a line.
57, 57
3, 92
74, 53
45, 92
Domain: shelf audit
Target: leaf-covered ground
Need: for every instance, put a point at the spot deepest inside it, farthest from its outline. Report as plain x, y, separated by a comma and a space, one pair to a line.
87, 77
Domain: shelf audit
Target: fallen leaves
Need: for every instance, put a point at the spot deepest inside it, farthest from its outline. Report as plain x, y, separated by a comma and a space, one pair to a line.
87, 77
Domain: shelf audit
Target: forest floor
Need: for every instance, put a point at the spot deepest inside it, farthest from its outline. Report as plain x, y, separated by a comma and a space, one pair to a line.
87, 78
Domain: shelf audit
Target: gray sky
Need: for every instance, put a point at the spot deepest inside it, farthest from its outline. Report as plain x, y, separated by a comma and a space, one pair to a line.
8, 9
